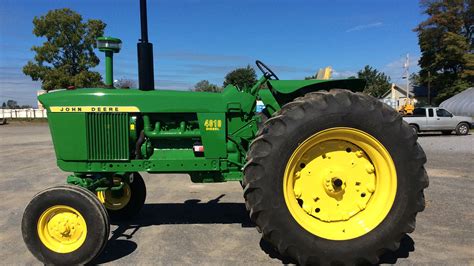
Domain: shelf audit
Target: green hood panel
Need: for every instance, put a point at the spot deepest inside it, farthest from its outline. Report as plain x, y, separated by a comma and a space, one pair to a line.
290, 86
151, 101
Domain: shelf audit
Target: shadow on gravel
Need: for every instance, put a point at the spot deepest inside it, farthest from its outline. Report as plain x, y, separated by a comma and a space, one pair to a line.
407, 245
192, 211
114, 250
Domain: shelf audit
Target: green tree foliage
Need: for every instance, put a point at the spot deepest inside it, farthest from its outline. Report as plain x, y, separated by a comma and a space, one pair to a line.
4, 105
11, 104
241, 77
66, 56
415, 79
377, 82
446, 43
206, 86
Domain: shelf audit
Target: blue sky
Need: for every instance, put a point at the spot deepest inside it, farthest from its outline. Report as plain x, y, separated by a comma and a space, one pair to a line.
204, 39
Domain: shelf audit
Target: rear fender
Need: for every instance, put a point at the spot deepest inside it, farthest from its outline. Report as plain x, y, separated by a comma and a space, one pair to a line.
287, 90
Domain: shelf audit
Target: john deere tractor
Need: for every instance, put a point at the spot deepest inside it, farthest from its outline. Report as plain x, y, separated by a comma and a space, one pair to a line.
330, 175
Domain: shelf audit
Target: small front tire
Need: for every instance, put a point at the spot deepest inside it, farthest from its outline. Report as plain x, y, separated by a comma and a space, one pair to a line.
65, 225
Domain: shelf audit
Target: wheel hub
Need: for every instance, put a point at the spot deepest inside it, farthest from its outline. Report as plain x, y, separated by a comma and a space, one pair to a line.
340, 183
62, 229
335, 181
63, 226
334, 185
116, 200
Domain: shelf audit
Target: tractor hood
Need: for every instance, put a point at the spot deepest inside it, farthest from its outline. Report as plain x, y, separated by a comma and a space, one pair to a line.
290, 86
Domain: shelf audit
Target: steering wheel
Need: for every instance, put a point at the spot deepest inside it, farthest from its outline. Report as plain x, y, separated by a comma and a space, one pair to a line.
267, 72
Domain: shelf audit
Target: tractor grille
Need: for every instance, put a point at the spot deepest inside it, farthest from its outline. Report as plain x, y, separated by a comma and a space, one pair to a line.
107, 136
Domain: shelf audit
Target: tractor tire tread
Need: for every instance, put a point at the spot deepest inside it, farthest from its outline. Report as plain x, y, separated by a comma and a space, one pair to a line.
262, 147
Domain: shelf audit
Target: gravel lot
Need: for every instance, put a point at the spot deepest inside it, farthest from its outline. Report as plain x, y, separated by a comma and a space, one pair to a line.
186, 223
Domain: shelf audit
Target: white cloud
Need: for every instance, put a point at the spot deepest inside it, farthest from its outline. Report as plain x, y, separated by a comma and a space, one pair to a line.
365, 26
343, 74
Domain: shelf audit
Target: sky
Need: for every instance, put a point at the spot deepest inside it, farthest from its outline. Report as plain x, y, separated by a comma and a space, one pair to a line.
205, 39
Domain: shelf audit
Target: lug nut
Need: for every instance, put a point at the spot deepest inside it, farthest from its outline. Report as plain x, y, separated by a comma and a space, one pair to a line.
370, 169
298, 175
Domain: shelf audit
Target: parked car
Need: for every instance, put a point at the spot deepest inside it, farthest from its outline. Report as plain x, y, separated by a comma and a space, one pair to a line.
438, 119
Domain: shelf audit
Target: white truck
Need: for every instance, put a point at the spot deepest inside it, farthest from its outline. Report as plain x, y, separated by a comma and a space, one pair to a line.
438, 119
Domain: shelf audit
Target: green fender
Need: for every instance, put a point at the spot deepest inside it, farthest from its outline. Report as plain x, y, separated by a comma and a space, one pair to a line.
284, 91
305, 86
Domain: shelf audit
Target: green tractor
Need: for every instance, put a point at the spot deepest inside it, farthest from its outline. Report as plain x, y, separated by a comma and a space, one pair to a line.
330, 175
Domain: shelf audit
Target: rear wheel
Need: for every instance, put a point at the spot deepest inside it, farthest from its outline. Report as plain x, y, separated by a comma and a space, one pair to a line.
335, 178
462, 129
127, 202
65, 225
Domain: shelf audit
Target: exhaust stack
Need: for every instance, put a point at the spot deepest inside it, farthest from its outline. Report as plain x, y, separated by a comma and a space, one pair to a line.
146, 80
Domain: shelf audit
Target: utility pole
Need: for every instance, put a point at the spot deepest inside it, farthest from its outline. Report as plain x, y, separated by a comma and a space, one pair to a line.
429, 88
407, 74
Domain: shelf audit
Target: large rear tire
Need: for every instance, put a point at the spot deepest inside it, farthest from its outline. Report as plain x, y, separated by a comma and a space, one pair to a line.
335, 178
65, 225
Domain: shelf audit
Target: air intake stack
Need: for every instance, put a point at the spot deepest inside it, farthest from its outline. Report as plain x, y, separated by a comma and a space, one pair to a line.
145, 54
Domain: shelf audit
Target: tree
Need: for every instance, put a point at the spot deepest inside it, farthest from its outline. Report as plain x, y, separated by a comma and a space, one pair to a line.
4, 105
241, 77
377, 82
446, 44
206, 86
415, 79
125, 84
11, 104
66, 56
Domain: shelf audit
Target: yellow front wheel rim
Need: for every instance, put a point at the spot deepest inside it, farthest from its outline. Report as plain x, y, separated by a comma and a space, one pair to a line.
340, 183
62, 229
113, 202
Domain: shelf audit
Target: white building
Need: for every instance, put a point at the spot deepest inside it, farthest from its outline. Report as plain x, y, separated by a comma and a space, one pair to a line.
396, 96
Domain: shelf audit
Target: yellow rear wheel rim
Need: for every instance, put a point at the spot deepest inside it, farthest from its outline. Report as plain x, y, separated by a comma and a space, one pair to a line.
340, 183
112, 202
62, 229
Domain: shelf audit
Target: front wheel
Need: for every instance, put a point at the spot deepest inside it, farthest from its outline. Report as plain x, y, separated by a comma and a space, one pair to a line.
462, 129
65, 225
335, 178
127, 202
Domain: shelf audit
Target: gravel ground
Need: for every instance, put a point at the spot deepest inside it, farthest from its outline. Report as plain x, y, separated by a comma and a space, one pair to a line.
186, 223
